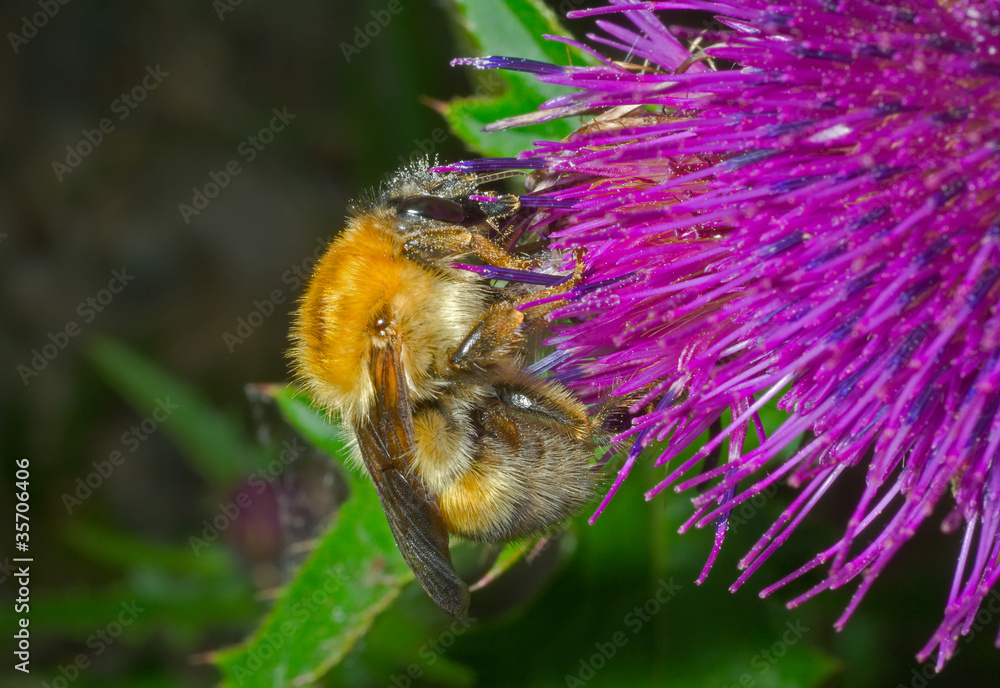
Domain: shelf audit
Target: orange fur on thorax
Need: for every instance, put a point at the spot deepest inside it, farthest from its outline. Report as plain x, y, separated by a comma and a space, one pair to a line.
365, 275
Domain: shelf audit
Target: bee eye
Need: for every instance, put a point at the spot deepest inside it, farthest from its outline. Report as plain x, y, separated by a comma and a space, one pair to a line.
432, 208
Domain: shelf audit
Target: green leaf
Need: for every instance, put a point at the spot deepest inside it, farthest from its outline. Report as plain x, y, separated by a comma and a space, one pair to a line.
513, 28
512, 553
214, 443
355, 572
468, 116
509, 28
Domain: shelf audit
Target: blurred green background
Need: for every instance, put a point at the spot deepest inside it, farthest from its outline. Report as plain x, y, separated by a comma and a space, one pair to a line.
169, 504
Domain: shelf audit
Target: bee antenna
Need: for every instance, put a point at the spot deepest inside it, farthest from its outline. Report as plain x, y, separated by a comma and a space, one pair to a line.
496, 176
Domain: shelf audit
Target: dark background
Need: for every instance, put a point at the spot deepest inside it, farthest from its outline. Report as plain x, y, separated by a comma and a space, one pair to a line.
118, 210
356, 117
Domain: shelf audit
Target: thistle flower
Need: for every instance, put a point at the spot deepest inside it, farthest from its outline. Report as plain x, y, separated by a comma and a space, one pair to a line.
818, 225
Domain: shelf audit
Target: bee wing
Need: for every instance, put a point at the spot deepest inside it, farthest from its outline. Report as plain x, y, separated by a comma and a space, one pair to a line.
385, 437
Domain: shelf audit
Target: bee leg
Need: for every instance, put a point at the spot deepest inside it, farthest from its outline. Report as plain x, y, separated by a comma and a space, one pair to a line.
615, 414
499, 210
536, 315
497, 335
499, 332
454, 241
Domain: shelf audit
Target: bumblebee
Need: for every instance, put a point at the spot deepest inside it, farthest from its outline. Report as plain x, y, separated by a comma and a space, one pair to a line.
425, 365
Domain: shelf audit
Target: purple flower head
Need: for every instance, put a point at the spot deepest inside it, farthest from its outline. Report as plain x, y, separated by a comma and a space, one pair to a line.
815, 222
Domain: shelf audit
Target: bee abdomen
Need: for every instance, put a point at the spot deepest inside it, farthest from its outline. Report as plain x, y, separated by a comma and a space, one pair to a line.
518, 485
